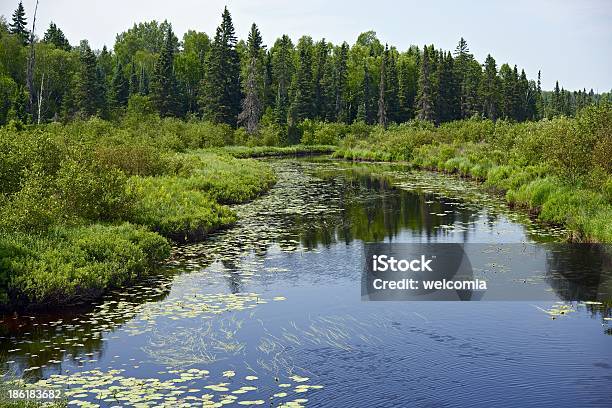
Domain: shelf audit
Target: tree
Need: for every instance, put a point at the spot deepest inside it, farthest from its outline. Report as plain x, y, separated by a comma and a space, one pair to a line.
368, 95
340, 83
508, 86
489, 89
19, 24
392, 87
424, 107
220, 92
408, 77
303, 98
447, 95
89, 92
164, 90
539, 100
283, 68
189, 67
133, 80
55, 36
251, 104
120, 87
320, 69
382, 103
468, 72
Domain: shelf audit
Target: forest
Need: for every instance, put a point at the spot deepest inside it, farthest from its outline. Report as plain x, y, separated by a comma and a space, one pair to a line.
109, 156
245, 83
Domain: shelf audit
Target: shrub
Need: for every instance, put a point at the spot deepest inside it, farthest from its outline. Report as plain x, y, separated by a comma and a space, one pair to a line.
76, 264
170, 206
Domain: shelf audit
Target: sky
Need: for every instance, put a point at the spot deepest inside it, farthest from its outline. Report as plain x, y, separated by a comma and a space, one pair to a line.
568, 40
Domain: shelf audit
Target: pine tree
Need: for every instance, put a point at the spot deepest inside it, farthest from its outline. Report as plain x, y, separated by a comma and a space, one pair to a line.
282, 65
320, 68
424, 107
382, 104
255, 73
490, 89
120, 87
251, 104
539, 100
468, 75
220, 93
408, 77
133, 80
368, 95
556, 103
392, 88
164, 88
340, 76
55, 36
19, 24
526, 98
254, 42
447, 101
303, 100
89, 93
507, 89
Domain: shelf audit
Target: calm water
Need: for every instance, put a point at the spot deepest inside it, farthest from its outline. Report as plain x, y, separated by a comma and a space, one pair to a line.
270, 312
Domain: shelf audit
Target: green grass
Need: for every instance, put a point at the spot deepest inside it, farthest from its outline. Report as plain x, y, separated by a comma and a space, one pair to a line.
89, 206
67, 265
273, 151
559, 170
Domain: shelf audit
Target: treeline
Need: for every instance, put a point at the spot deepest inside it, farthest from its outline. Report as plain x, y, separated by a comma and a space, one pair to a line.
245, 83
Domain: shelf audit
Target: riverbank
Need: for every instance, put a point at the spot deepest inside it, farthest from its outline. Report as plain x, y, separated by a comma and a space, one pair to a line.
79, 217
559, 170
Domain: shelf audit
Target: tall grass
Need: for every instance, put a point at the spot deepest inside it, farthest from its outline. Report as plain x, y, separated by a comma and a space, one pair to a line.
560, 169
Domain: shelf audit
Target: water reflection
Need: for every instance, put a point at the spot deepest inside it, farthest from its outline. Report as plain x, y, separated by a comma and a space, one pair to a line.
318, 215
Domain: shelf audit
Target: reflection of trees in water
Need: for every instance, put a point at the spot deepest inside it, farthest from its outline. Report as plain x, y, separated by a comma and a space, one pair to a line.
582, 272
372, 210
45, 340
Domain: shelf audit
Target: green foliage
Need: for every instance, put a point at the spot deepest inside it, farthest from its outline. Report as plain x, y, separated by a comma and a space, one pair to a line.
559, 168
76, 264
66, 188
170, 206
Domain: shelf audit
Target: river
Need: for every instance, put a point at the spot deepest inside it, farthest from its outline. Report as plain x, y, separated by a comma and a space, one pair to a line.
270, 312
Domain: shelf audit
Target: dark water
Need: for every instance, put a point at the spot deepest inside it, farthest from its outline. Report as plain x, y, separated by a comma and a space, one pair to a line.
270, 312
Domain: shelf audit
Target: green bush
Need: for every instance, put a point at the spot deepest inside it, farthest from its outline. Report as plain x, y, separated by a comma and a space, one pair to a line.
69, 265
170, 206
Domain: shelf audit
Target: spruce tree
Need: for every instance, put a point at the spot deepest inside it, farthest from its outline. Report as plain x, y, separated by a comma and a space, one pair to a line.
408, 77
392, 87
424, 106
55, 36
490, 89
382, 104
446, 95
120, 87
251, 104
368, 95
303, 100
220, 93
282, 66
133, 80
19, 24
556, 104
320, 68
340, 76
164, 89
539, 100
254, 42
89, 94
